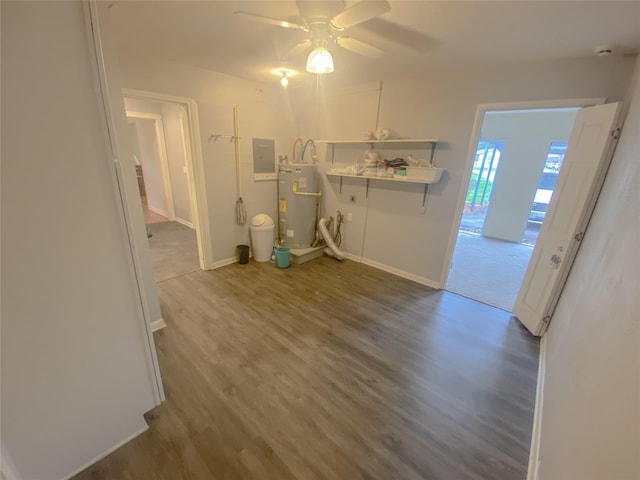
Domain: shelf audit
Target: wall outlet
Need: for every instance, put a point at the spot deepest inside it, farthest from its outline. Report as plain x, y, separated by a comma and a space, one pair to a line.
352, 198
349, 217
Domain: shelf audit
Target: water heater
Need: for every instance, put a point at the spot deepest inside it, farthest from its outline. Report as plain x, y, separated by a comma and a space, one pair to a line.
298, 199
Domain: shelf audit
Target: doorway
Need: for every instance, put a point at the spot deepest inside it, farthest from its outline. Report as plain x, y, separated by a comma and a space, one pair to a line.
146, 137
515, 157
160, 138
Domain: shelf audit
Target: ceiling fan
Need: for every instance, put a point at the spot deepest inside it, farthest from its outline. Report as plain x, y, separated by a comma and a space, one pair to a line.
327, 30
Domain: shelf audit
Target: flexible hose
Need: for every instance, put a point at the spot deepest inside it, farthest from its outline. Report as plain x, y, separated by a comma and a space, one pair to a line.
331, 250
337, 236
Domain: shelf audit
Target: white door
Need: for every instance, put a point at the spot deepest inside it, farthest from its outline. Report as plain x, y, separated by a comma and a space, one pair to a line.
585, 164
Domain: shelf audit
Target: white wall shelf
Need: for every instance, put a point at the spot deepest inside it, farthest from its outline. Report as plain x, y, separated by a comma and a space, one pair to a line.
386, 179
396, 142
426, 183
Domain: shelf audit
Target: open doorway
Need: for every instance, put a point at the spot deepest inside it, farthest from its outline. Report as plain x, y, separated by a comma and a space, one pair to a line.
145, 134
517, 158
160, 138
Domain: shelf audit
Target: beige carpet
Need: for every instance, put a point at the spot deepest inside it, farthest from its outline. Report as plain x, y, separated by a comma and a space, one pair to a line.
174, 250
487, 270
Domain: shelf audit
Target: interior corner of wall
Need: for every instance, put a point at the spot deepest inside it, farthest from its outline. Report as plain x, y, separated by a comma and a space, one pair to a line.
8, 470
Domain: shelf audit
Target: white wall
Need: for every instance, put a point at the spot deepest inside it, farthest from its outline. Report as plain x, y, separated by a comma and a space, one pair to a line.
133, 140
591, 403
150, 159
527, 137
171, 115
391, 227
261, 116
76, 367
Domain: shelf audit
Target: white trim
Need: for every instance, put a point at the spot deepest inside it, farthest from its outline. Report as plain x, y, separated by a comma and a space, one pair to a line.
536, 434
396, 271
195, 171
92, 20
158, 324
184, 222
106, 452
158, 211
161, 145
471, 154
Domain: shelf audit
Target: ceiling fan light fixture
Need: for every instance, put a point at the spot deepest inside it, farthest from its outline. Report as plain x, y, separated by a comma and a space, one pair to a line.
320, 61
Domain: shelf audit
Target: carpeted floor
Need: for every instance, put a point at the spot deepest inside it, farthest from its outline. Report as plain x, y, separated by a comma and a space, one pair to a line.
174, 250
488, 270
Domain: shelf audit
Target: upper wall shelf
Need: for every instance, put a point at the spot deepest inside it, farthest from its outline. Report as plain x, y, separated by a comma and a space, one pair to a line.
432, 142
394, 141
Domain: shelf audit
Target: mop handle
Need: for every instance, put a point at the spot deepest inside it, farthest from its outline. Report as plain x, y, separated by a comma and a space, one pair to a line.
236, 133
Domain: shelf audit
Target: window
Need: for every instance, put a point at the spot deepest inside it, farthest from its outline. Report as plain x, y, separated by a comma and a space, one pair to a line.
547, 182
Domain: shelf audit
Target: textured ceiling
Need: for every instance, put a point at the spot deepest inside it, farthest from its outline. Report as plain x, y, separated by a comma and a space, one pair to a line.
414, 35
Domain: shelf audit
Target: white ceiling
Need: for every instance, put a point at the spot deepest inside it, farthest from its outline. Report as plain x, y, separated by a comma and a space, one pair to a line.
415, 35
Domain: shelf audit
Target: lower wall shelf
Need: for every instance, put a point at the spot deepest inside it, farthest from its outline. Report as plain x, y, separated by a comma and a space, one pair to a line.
386, 179
425, 182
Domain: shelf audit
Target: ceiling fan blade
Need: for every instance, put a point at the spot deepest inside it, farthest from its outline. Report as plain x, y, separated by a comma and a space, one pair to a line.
299, 48
361, 48
271, 21
360, 12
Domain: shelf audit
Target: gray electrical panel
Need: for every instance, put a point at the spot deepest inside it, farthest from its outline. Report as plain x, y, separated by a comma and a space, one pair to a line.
264, 159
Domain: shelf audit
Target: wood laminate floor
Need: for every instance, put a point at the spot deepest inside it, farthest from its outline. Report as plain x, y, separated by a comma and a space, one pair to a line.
174, 250
331, 370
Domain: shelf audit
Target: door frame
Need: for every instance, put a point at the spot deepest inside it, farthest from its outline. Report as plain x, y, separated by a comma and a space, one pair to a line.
164, 162
195, 170
123, 182
471, 154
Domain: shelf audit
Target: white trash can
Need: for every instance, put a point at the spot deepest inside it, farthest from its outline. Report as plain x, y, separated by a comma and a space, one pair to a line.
262, 229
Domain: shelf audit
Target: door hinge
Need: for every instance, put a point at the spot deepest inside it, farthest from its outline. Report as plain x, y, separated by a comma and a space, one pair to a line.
578, 236
615, 133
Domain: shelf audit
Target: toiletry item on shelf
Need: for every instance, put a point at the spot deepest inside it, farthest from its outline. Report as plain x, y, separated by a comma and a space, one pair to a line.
382, 134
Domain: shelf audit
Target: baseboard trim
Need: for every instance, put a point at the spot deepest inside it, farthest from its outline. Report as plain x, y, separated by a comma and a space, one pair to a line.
107, 452
396, 271
158, 211
222, 263
185, 223
536, 433
158, 324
